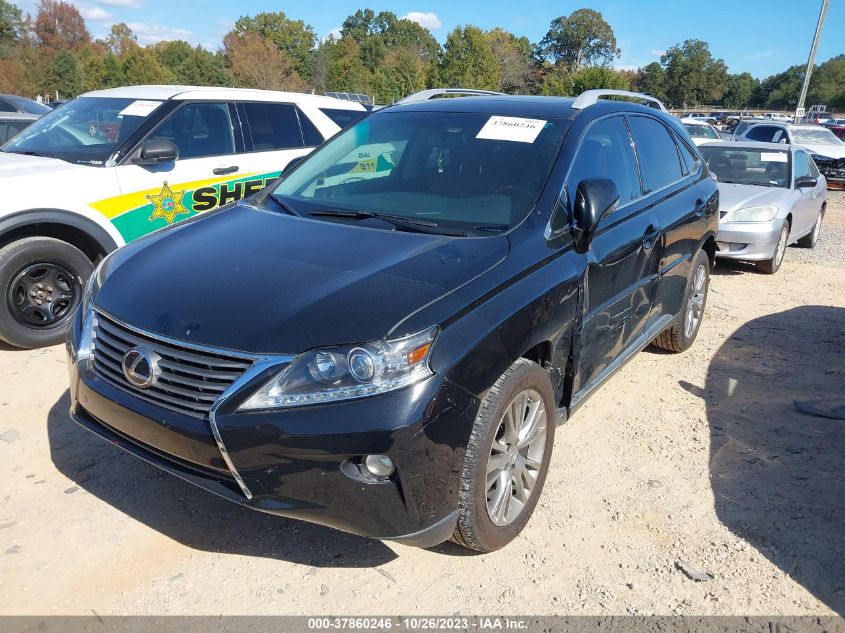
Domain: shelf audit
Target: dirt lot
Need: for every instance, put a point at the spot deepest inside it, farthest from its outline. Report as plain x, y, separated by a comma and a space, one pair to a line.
699, 457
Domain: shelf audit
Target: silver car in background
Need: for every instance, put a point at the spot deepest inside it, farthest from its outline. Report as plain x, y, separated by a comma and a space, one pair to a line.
771, 195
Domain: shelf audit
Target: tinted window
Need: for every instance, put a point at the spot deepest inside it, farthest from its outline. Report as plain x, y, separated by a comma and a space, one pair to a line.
28, 105
273, 126
605, 152
310, 133
689, 158
657, 151
767, 134
9, 128
802, 165
198, 130
748, 166
5, 106
343, 118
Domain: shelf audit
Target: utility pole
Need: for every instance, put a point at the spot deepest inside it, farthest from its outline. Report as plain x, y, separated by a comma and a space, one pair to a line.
799, 112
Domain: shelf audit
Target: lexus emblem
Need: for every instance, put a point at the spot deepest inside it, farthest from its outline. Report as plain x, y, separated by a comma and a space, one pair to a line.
140, 366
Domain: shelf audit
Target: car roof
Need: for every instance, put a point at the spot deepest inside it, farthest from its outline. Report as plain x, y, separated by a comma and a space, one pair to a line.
520, 106
753, 145
183, 93
695, 121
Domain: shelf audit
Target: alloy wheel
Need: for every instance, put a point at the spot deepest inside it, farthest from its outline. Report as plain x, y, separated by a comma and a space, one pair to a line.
695, 306
516, 457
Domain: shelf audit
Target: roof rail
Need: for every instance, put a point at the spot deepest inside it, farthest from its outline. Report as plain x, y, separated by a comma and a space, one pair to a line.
425, 95
591, 97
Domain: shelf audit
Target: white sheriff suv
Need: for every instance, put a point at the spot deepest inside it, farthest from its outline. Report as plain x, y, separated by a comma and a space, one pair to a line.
114, 165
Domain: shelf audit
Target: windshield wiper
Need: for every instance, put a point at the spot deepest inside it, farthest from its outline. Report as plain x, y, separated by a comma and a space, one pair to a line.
400, 222
287, 208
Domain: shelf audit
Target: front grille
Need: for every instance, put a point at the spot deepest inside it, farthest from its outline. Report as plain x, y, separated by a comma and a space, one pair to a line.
191, 379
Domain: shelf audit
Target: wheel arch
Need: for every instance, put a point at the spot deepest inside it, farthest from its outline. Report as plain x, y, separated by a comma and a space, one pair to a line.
75, 229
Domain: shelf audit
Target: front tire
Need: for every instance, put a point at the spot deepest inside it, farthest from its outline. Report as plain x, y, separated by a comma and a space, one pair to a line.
771, 266
42, 280
811, 239
682, 334
507, 458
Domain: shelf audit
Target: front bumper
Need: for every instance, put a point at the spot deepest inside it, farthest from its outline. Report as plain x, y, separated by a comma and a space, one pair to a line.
750, 241
301, 462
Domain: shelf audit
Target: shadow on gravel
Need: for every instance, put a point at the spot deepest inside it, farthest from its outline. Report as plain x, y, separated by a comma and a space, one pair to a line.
778, 475
191, 516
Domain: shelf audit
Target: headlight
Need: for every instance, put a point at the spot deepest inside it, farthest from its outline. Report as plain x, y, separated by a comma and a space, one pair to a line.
343, 373
754, 214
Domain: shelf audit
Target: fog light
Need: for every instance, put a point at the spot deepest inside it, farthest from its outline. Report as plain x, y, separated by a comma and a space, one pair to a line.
379, 465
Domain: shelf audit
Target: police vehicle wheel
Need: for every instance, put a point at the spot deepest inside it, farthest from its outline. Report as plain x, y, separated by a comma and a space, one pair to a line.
42, 280
507, 458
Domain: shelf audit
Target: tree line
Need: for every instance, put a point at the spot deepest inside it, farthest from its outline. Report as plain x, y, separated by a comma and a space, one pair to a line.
382, 55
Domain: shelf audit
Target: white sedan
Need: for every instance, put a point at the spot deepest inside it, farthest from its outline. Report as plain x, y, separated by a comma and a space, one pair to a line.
701, 131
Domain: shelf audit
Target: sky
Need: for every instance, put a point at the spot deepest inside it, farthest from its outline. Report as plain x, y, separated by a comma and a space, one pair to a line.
762, 37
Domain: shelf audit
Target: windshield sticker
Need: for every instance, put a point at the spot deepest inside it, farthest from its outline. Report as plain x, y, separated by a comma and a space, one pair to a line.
507, 128
774, 157
140, 108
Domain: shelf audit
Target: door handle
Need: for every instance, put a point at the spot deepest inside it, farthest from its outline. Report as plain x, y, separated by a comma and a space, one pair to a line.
222, 171
650, 236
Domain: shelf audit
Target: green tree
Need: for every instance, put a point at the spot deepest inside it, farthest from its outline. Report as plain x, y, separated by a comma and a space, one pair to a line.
92, 69
402, 72
121, 39
781, 91
693, 76
346, 70
580, 39
63, 76
140, 66
514, 57
652, 81
295, 39
113, 75
598, 77
739, 91
827, 85
256, 62
378, 33
468, 60
11, 25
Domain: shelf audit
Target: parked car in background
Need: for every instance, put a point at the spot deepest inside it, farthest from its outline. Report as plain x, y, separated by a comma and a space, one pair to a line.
12, 123
740, 119
770, 195
58, 102
389, 356
700, 131
777, 116
834, 122
114, 165
838, 131
13, 103
826, 149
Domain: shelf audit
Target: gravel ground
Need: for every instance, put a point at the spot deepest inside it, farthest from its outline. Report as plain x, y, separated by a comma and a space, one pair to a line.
697, 460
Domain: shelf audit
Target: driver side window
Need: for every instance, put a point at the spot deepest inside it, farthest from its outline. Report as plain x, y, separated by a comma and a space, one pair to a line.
802, 165
605, 152
199, 130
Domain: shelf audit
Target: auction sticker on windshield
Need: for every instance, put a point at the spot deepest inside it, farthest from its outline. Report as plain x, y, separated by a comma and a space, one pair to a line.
140, 108
508, 128
774, 157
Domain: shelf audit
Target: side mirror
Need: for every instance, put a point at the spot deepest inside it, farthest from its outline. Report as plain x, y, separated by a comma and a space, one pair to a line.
594, 199
806, 182
156, 151
293, 163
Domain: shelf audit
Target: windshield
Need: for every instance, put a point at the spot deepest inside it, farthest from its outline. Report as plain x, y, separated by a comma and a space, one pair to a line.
696, 130
85, 131
470, 172
747, 166
815, 135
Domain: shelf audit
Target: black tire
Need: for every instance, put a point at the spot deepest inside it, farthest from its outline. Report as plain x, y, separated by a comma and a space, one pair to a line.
475, 529
812, 238
771, 266
678, 337
22, 264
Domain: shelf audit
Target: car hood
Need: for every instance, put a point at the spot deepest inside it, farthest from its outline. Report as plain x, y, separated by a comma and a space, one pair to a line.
264, 282
732, 197
824, 149
14, 165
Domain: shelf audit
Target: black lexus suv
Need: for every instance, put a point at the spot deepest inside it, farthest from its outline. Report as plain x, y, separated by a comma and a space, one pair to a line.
384, 340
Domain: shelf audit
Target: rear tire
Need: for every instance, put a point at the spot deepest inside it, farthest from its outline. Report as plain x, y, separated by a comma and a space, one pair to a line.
771, 266
683, 332
811, 239
510, 446
42, 280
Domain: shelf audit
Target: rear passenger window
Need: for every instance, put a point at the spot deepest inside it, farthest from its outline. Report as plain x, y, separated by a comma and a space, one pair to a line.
767, 134
605, 152
273, 126
690, 159
658, 154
